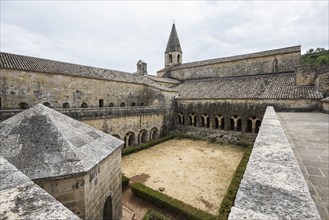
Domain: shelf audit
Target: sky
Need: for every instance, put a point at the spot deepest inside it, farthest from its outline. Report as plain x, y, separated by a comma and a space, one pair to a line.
116, 34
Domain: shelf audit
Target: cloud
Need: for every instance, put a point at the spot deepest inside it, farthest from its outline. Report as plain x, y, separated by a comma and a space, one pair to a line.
115, 34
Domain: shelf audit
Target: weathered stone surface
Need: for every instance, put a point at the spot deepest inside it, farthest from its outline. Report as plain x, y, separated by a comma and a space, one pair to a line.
44, 143
273, 184
20, 198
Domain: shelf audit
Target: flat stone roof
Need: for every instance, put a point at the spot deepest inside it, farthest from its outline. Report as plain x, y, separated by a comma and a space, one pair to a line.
308, 133
267, 86
20, 198
42, 143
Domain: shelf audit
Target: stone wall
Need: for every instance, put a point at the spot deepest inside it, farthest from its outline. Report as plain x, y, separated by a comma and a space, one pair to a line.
280, 60
131, 128
305, 75
273, 186
230, 111
85, 195
20, 89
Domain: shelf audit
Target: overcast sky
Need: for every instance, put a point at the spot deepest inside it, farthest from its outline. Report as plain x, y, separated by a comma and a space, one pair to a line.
116, 34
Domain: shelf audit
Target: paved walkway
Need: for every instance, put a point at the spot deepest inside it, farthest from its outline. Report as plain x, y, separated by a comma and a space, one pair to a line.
308, 133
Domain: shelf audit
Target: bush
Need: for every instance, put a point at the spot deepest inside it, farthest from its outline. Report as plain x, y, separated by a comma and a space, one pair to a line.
149, 144
161, 200
125, 181
228, 200
154, 215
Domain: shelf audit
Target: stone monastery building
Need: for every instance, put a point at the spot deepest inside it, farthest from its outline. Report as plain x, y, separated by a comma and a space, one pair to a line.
63, 124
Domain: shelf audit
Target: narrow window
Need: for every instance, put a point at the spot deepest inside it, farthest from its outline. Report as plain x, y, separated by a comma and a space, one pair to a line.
133, 104
66, 105
122, 104
170, 58
84, 105
101, 103
111, 104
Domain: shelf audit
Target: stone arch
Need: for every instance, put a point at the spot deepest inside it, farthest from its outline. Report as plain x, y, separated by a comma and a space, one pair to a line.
239, 125
116, 136
66, 105
108, 209
141, 104
111, 104
154, 133
122, 104
142, 136
130, 139
23, 105
84, 105
133, 104
181, 118
47, 104
170, 58
192, 119
258, 124
178, 58
163, 131
205, 121
249, 126
219, 122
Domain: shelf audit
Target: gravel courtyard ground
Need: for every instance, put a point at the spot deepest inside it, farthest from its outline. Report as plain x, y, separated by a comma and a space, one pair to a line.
195, 172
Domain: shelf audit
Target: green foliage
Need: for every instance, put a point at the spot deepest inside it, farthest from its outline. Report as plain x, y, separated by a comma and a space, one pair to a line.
149, 144
125, 181
154, 215
319, 56
161, 200
228, 200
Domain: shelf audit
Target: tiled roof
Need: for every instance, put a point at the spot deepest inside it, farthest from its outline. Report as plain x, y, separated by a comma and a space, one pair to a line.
165, 80
42, 143
26, 63
273, 86
234, 58
173, 42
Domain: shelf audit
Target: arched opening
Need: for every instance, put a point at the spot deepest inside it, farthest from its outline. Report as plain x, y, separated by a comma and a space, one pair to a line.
154, 134
181, 118
133, 104
84, 105
142, 137
107, 211
116, 136
178, 58
101, 103
207, 122
222, 123
232, 124
249, 126
47, 104
66, 105
170, 58
122, 104
163, 131
130, 139
141, 104
23, 105
111, 104
238, 128
202, 121
258, 124
216, 121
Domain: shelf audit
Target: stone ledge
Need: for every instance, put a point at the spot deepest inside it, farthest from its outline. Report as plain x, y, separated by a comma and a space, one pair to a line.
273, 186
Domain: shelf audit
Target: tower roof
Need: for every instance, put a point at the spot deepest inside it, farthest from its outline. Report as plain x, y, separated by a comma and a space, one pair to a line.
173, 42
42, 142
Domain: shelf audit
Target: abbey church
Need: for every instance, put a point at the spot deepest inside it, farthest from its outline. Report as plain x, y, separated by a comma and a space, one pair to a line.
91, 113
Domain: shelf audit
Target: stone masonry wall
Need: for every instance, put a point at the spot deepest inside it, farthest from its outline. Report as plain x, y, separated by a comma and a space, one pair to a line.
33, 88
246, 65
273, 186
85, 195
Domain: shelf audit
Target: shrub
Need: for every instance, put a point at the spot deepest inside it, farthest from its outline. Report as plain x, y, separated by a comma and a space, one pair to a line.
161, 200
154, 215
125, 181
228, 200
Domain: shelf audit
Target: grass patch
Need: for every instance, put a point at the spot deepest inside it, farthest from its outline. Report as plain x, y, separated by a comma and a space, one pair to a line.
161, 200
154, 215
228, 200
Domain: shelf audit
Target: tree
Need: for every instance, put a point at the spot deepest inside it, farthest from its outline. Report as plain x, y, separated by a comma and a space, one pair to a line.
319, 56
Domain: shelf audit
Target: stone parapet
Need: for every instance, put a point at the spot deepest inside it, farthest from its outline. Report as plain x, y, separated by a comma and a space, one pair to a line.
273, 186
85, 113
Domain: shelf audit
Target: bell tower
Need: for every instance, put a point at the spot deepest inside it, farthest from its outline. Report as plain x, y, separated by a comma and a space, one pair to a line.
173, 53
